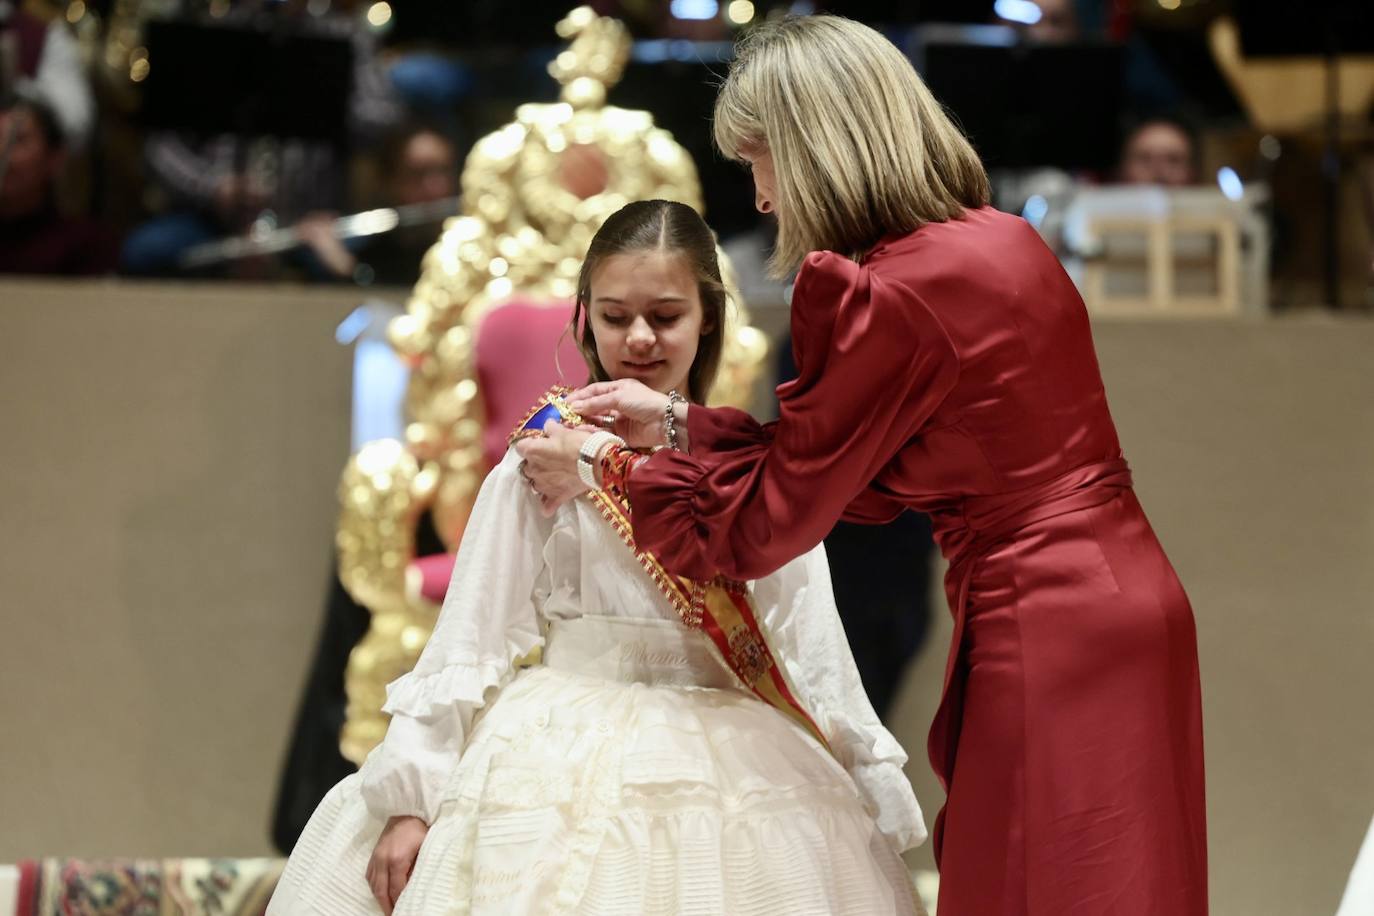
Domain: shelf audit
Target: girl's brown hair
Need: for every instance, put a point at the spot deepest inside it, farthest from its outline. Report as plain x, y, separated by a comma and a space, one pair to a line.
672, 228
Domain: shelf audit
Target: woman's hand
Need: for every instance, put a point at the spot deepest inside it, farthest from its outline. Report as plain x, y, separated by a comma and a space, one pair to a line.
393, 859
550, 464
636, 408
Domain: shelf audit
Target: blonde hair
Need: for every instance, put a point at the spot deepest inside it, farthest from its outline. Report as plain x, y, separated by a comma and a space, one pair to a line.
860, 147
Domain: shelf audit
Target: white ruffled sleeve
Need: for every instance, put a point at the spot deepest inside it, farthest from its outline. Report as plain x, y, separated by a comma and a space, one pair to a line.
488, 621
804, 628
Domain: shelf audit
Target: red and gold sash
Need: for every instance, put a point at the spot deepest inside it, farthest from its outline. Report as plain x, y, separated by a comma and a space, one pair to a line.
722, 608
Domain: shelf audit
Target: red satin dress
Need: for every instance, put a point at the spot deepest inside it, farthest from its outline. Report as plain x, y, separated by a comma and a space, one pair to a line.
952, 371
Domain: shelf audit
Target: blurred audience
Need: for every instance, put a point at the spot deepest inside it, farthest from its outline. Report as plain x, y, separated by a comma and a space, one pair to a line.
220, 186
418, 165
35, 238
1162, 150
203, 189
40, 60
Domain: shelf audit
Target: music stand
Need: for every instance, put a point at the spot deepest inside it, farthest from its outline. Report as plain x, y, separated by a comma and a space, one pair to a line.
1326, 29
250, 81
1026, 105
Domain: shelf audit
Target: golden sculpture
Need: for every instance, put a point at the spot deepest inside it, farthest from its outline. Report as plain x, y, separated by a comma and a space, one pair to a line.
534, 193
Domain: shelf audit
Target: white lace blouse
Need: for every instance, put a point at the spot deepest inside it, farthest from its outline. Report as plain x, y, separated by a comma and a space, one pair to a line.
517, 569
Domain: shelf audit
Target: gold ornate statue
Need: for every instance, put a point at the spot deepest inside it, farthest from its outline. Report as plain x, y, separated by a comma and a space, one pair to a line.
534, 193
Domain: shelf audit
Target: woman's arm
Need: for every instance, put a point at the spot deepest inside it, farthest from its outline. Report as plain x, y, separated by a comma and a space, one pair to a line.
874, 364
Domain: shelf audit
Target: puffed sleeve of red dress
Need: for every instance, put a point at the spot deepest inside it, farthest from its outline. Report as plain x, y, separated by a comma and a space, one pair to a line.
873, 364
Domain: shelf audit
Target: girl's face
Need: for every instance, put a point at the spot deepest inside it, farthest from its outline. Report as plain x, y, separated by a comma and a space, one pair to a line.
646, 317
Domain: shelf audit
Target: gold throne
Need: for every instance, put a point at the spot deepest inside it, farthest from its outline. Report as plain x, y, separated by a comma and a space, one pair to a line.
534, 193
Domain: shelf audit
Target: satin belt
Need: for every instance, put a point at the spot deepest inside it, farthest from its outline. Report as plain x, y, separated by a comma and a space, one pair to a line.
968, 534
635, 650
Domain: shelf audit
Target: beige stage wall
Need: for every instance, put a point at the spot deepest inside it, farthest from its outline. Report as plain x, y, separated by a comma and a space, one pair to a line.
168, 457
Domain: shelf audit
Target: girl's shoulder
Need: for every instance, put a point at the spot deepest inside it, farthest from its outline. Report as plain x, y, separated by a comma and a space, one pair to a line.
552, 406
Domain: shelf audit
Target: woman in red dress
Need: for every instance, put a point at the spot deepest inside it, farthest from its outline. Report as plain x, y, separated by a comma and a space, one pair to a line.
945, 364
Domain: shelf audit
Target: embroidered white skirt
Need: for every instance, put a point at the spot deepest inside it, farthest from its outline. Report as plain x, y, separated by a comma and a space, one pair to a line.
625, 775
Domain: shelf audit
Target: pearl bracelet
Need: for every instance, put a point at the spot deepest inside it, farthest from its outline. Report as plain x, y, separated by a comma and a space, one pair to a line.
587, 454
670, 419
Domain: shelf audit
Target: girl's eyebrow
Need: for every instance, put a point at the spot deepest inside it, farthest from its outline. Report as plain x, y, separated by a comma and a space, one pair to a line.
658, 299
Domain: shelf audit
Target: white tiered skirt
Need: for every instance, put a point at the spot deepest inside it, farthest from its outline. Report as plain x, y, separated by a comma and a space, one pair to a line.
625, 775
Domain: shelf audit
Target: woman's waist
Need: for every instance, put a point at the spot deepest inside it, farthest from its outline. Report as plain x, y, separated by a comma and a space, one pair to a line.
635, 650
972, 526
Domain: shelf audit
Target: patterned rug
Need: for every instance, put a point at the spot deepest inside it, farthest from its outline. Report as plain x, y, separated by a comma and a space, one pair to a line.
172, 887
145, 887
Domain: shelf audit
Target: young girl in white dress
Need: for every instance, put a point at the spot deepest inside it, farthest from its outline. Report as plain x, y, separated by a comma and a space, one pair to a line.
681, 748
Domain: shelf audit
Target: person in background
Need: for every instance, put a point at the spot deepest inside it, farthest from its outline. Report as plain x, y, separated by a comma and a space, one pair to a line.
418, 164
218, 187
35, 237
1160, 149
41, 60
